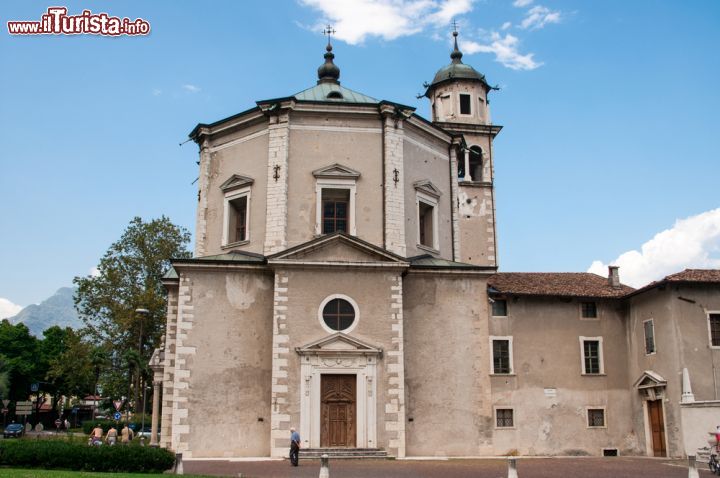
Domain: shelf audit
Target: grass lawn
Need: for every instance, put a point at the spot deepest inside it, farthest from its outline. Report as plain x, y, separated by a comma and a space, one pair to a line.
18, 473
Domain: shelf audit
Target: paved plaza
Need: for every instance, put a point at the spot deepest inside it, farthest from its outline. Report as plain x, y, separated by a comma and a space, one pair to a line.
620, 467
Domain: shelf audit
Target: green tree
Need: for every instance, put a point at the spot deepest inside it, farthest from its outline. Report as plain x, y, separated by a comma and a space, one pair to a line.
130, 277
20, 350
71, 370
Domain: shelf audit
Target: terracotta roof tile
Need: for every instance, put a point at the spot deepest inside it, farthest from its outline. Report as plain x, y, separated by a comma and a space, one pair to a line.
565, 284
694, 275
706, 276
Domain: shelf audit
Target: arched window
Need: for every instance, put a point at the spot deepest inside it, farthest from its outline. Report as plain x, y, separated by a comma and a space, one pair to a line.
475, 163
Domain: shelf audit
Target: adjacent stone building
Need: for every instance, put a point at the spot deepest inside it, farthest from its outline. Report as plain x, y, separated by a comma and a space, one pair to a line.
345, 283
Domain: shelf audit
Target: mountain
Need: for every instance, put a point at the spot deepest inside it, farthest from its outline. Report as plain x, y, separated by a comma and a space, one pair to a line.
59, 309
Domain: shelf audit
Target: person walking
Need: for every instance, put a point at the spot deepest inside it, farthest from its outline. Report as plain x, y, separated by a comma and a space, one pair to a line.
96, 435
294, 447
126, 435
111, 437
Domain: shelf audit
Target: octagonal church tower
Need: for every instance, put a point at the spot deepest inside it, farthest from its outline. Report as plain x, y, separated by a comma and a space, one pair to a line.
329, 247
458, 98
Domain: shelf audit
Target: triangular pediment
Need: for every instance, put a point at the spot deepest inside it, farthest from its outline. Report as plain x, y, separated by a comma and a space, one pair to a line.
650, 379
426, 186
340, 249
236, 181
339, 344
336, 171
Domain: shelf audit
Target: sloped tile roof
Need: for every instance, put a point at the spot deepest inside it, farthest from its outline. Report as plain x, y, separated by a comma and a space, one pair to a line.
698, 276
564, 284
694, 275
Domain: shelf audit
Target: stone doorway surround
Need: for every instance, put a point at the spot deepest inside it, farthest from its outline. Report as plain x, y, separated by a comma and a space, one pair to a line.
339, 354
651, 387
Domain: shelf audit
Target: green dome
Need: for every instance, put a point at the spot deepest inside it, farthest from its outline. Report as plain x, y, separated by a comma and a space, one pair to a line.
457, 70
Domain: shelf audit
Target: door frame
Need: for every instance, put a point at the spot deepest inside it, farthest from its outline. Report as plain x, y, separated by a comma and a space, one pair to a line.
648, 428
365, 370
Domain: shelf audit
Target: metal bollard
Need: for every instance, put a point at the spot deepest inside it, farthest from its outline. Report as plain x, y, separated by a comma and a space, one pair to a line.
178, 464
692, 467
512, 468
324, 470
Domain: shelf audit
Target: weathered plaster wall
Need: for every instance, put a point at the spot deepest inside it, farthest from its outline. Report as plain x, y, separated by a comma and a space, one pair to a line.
245, 153
547, 355
682, 340
446, 362
226, 364
302, 294
426, 158
317, 141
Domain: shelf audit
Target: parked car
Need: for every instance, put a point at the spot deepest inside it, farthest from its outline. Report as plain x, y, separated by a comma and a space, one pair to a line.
145, 433
14, 430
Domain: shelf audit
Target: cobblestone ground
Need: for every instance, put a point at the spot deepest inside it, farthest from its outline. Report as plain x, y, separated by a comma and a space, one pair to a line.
527, 468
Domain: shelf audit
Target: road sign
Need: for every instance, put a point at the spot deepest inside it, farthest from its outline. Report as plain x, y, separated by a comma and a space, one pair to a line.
5, 410
5, 403
23, 407
118, 404
35, 387
117, 415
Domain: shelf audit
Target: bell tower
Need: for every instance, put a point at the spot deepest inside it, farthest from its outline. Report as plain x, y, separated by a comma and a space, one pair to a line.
458, 98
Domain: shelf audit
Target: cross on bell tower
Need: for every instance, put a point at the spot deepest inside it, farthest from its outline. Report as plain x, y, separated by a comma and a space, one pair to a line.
329, 31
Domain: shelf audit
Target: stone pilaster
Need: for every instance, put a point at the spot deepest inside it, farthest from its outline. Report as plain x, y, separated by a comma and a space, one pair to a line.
169, 368
279, 416
455, 205
394, 190
202, 209
184, 353
395, 373
277, 183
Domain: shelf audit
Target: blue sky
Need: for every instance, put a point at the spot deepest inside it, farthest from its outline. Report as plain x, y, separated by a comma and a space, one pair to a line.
610, 114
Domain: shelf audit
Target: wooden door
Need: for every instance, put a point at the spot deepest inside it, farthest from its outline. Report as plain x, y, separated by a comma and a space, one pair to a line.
657, 427
337, 427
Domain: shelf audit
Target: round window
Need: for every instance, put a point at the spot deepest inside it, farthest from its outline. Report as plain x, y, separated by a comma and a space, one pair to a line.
338, 314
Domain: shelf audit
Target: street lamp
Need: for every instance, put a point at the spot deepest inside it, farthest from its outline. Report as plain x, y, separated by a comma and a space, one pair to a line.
142, 313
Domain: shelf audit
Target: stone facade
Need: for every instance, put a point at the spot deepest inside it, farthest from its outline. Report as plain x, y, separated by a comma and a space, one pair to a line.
345, 283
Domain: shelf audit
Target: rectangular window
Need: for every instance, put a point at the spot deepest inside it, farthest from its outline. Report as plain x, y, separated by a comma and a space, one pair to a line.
596, 417
504, 418
499, 308
426, 218
588, 310
502, 356
592, 363
465, 104
236, 226
335, 210
649, 327
238, 219
714, 319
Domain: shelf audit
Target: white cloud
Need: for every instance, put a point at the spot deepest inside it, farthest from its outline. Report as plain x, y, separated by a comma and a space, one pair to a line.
506, 25
191, 88
538, 17
692, 243
8, 309
388, 19
94, 271
522, 3
505, 50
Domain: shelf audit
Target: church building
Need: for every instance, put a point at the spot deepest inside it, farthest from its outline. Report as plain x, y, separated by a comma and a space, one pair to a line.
345, 283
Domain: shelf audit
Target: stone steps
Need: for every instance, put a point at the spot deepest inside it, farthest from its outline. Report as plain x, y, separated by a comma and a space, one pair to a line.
343, 453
